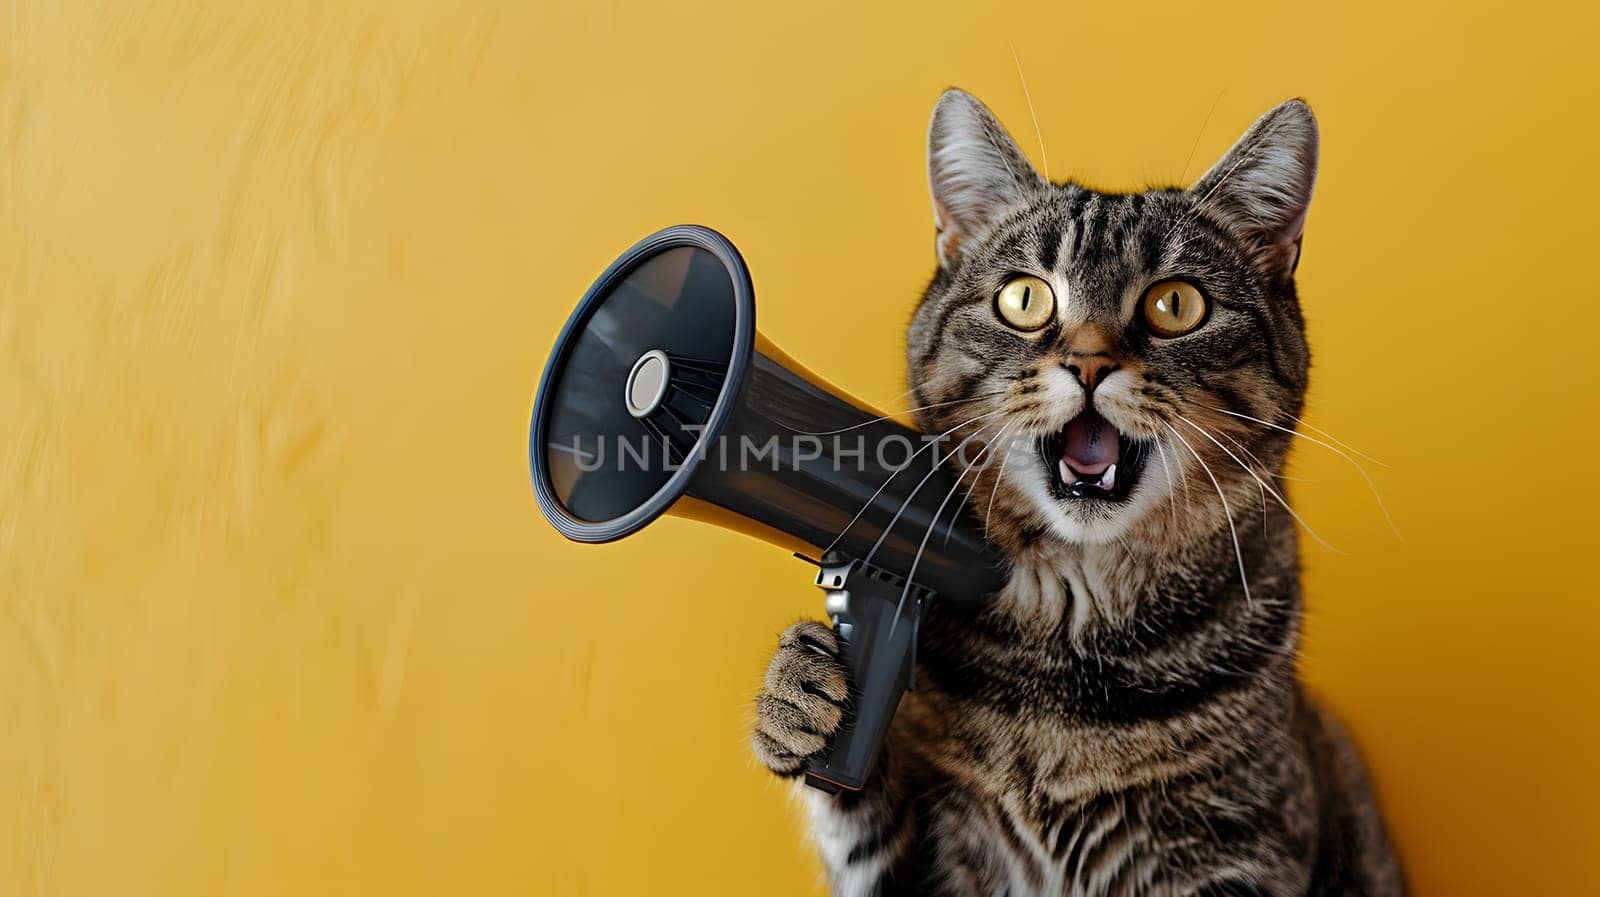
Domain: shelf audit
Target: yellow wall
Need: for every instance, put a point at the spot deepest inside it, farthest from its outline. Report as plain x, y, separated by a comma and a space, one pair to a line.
278, 614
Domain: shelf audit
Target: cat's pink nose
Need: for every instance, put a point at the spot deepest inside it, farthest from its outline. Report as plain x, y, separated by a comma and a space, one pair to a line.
1089, 357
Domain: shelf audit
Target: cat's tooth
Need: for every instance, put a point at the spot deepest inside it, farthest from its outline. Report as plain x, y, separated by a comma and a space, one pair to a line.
1108, 480
1066, 473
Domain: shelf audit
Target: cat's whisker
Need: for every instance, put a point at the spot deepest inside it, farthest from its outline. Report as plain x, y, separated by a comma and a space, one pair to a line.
1332, 448
1243, 450
1336, 440
988, 514
1189, 161
1263, 484
932, 525
1172, 492
918, 488
988, 450
1226, 512
926, 445
1251, 455
1183, 475
1312, 427
988, 445
1197, 208
868, 423
1044, 158
897, 397
986, 455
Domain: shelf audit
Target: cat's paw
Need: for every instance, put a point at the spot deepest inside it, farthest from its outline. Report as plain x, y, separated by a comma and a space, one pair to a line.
803, 699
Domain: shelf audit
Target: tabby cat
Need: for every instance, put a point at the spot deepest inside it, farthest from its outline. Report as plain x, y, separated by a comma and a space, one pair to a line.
1124, 717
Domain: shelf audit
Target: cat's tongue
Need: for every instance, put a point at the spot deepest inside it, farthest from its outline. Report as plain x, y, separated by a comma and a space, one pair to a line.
1091, 444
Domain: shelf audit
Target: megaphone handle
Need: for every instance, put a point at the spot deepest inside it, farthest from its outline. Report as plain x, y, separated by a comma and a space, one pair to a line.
878, 631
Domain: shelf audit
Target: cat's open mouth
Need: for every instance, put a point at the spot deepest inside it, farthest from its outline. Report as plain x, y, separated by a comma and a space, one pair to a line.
1090, 459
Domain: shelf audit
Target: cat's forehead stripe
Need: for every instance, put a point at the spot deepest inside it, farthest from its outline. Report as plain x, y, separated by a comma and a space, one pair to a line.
1050, 238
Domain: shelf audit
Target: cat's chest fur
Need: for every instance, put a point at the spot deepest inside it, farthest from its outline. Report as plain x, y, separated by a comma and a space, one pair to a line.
1007, 843
1028, 791
1009, 710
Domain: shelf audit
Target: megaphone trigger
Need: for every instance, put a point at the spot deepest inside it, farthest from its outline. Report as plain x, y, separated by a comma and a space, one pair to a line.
863, 602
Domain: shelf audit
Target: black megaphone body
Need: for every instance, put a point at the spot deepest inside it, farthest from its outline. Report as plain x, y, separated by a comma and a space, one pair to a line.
661, 396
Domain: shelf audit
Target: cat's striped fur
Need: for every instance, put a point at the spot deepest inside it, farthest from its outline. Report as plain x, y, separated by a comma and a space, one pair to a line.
1125, 717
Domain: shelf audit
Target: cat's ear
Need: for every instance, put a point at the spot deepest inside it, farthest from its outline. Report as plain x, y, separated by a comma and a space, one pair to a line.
1262, 187
975, 172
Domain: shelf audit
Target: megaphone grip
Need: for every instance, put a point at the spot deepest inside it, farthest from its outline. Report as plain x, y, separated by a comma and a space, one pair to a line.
877, 622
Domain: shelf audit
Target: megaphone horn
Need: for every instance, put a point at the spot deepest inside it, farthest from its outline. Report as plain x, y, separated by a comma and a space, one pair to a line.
660, 396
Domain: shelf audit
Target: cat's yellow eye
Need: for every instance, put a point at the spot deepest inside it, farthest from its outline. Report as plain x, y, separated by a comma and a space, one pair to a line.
1026, 303
1172, 308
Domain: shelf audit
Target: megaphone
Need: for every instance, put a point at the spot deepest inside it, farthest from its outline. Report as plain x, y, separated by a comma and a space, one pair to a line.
660, 396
